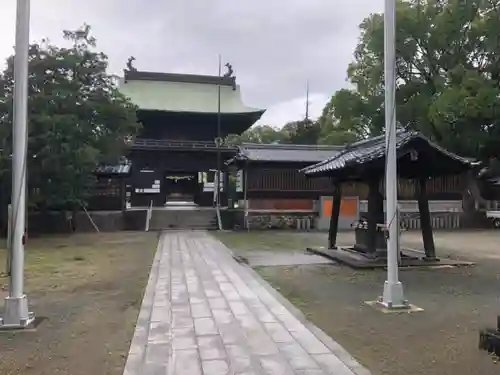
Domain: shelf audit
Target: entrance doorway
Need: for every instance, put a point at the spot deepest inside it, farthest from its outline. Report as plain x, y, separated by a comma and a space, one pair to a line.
181, 187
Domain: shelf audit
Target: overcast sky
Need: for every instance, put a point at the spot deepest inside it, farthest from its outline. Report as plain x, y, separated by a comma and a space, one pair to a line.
275, 46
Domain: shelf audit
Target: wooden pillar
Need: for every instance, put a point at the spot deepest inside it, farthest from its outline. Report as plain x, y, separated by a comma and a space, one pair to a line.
123, 194
425, 219
334, 217
224, 194
374, 199
246, 222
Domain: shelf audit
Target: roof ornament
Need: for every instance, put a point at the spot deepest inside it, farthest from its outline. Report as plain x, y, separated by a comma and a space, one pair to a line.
128, 140
230, 70
130, 67
230, 74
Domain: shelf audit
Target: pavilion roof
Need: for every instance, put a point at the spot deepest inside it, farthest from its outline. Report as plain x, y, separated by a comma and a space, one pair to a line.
284, 153
433, 159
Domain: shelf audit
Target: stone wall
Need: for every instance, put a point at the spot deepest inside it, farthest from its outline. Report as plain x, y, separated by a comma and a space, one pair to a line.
53, 222
278, 220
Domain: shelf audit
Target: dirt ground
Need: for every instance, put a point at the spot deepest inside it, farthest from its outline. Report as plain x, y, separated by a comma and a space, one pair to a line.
88, 288
441, 340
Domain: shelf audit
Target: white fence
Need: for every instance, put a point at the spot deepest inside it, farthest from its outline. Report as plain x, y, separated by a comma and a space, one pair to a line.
412, 206
444, 214
446, 221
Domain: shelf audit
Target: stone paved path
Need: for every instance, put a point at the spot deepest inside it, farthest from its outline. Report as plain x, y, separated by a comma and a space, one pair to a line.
205, 314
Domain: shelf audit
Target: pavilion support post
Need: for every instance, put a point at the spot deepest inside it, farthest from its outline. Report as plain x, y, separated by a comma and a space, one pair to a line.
373, 215
425, 220
334, 217
246, 222
225, 187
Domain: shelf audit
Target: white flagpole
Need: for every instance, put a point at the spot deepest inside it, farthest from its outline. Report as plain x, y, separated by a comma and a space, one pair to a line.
16, 313
219, 140
393, 296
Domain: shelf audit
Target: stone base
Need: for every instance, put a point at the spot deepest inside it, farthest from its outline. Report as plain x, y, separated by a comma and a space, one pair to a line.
355, 259
16, 314
489, 339
393, 296
280, 220
407, 309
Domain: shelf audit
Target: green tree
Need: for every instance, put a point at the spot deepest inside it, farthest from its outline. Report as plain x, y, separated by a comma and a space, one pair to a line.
448, 75
301, 132
336, 127
295, 132
77, 119
259, 134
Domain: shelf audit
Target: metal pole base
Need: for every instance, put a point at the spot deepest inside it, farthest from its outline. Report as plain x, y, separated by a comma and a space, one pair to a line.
489, 339
16, 313
393, 296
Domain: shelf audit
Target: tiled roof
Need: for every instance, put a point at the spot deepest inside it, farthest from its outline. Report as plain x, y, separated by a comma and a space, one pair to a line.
372, 149
152, 91
137, 75
121, 169
285, 153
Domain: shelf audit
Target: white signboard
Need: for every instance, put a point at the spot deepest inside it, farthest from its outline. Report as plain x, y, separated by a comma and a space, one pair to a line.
239, 181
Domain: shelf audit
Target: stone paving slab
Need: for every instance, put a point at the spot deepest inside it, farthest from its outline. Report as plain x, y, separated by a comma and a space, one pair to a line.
283, 258
205, 314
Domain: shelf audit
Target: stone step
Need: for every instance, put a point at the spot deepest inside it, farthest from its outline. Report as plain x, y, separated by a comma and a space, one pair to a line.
183, 219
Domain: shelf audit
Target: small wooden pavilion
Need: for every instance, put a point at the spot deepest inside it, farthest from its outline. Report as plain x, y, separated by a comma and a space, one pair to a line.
419, 159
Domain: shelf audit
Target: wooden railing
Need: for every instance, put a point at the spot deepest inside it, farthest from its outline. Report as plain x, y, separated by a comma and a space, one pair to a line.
160, 144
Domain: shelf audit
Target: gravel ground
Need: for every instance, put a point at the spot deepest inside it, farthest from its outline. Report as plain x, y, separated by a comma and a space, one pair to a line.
441, 340
469, 244
89, 290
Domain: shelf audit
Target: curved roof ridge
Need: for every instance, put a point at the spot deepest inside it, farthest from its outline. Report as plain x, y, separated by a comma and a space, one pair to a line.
285, 153
374, 148
288, 146
139, 75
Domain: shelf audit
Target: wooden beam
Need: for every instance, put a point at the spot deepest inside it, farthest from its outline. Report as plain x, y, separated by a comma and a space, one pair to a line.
334, 217
374, 198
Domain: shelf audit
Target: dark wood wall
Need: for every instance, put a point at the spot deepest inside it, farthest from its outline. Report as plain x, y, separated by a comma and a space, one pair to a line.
173, 160
275, 182
267, 179
109, 194
191, 126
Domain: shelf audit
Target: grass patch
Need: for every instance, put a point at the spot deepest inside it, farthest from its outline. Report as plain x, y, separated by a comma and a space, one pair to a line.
300, 301
89, 288
268, 240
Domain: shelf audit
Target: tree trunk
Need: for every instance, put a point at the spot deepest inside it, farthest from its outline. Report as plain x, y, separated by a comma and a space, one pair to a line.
472, 200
